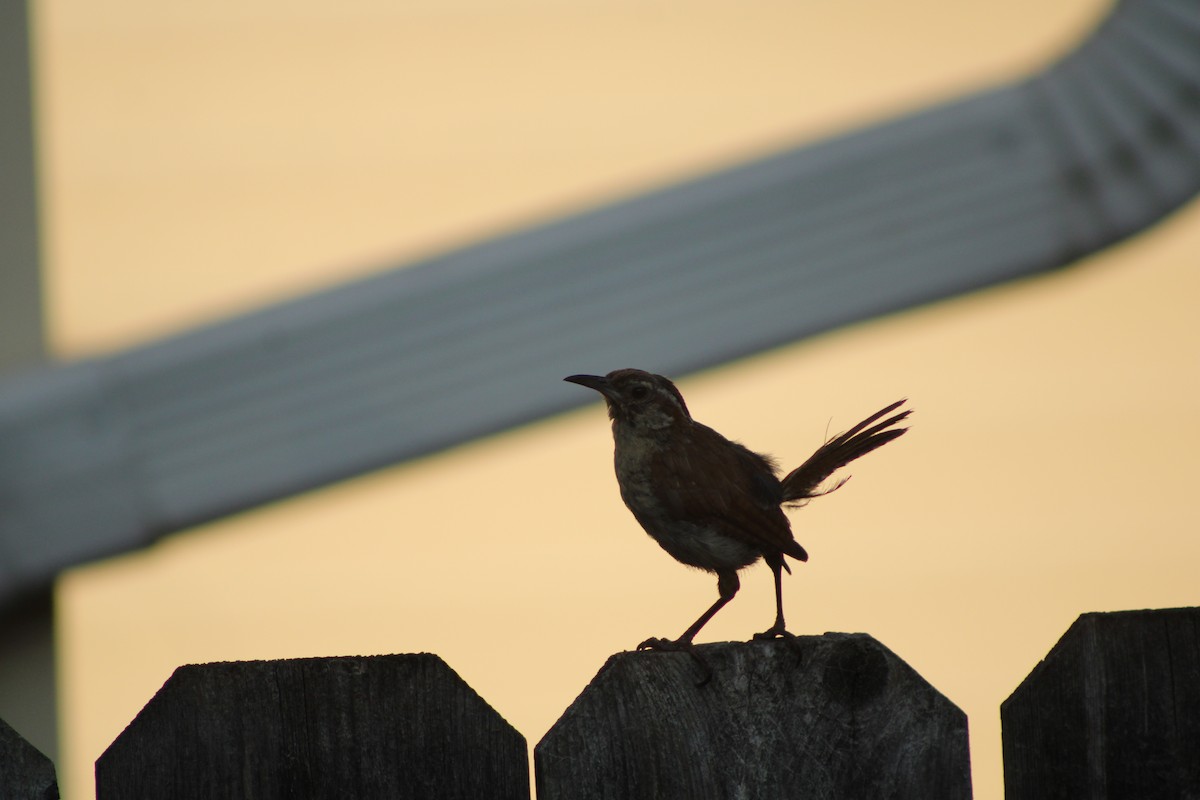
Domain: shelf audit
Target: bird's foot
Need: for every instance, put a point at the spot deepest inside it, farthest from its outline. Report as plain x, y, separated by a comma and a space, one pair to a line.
669, 645
680, 646
776, 631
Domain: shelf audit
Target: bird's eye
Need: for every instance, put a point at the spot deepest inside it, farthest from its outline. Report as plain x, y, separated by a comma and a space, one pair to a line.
639, 392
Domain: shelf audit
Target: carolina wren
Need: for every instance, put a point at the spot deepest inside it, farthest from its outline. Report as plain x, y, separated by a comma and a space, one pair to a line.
708, 501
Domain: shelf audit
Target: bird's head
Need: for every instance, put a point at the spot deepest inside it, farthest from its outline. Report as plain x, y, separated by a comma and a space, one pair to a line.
637, 398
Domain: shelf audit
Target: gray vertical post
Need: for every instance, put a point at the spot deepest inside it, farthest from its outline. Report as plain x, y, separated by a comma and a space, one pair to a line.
821, 718
26, 631
27, 688
20, 293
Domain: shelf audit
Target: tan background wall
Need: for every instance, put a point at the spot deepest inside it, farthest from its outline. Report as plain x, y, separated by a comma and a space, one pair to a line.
208, 158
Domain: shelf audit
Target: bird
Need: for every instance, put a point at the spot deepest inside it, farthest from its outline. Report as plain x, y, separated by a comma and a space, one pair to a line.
710, 502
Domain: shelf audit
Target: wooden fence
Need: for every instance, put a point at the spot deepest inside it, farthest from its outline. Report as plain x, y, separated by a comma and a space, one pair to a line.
1112, 712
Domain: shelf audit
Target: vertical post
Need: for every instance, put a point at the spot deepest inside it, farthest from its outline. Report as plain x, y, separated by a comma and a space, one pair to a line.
20, 283
27, 674
1112, 712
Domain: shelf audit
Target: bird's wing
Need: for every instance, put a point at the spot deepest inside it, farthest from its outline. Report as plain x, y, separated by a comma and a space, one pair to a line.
733, 488
801, 483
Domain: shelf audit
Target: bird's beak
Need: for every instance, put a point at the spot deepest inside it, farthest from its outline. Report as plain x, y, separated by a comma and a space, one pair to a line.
597, 382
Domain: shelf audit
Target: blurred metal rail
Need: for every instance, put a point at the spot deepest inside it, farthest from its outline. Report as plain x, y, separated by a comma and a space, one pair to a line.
103, 456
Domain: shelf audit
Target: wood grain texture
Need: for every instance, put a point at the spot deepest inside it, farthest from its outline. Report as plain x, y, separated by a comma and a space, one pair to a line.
833, 716
399, 726
1112, 712
25, 774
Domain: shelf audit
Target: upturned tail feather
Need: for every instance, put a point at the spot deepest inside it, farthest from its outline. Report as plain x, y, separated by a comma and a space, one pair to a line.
804, 482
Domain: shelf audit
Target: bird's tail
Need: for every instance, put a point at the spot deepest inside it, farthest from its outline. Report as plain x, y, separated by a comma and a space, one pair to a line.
803, 483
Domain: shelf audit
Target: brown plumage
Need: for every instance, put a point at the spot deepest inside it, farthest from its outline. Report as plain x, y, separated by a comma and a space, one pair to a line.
800, 485
711, 502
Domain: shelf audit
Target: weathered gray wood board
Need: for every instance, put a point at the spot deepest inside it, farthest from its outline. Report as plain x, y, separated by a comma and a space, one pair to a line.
1112, 712
401, 726
827, 717
25, 774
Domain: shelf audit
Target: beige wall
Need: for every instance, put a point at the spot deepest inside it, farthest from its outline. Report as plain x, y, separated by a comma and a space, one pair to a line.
208, 158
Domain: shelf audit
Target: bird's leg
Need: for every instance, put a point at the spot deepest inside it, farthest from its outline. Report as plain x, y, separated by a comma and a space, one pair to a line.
779, 629
727, 586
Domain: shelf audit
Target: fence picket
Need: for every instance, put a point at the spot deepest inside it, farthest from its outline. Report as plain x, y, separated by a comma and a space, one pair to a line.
1112, 712
25, 773
823, 717
363, 727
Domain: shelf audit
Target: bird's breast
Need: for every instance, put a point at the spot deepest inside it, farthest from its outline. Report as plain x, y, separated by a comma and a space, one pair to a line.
651, 475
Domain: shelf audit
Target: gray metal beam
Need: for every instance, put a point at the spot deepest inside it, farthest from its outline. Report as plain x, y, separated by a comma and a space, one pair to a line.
104, 456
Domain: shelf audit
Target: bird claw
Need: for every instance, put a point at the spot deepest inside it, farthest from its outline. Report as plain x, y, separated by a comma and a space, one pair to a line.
775, 632
779, 632
669, 645
680, 646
